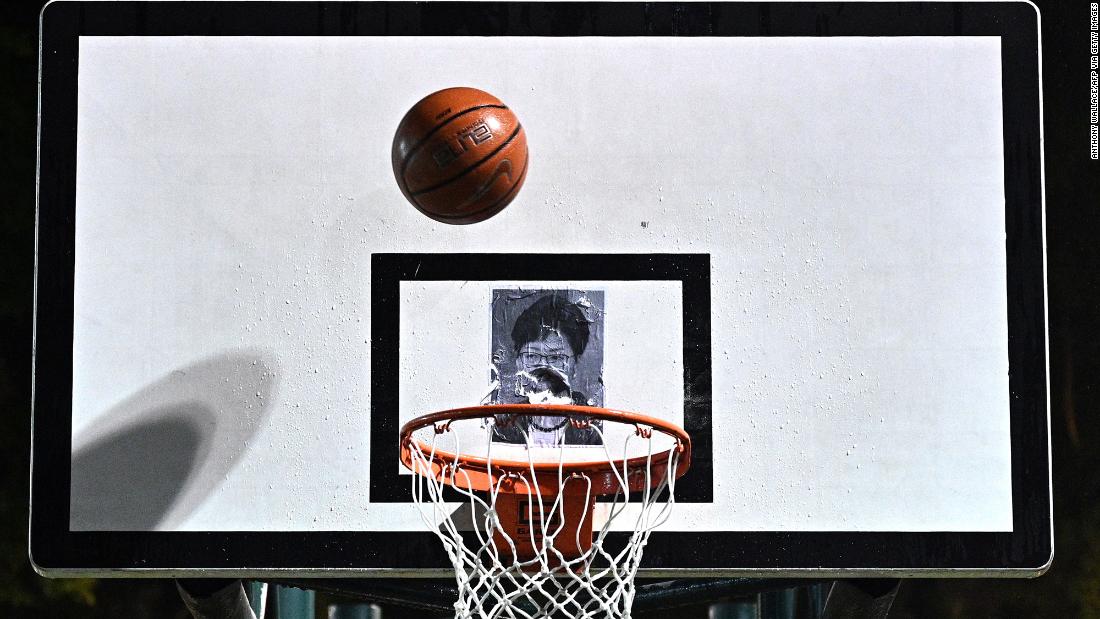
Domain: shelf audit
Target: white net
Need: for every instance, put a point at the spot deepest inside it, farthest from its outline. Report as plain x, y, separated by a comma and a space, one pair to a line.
544, 566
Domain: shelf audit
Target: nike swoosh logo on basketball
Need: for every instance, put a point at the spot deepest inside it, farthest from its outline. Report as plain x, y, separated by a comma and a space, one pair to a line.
504, 168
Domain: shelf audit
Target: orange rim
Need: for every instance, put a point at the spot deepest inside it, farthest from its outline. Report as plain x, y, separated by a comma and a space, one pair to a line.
481, 474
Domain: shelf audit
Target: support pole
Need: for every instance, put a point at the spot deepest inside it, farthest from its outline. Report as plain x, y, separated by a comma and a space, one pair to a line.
354, 611
293, 603
745, 608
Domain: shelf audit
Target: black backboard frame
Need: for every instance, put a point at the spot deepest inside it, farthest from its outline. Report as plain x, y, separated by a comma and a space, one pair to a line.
56, 550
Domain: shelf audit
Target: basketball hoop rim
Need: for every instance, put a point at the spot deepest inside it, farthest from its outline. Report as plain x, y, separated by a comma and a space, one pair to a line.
444, 460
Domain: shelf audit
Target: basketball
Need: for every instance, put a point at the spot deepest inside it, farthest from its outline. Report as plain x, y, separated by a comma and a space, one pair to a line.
460, 155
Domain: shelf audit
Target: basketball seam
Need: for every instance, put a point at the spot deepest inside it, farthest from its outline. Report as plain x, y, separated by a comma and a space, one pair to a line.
514, 188
472, 166
427, 136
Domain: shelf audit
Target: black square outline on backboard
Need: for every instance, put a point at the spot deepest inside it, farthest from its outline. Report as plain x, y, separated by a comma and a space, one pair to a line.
1026, 550
388, 270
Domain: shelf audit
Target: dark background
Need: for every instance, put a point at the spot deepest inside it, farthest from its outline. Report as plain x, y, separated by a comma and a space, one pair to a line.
1070, 589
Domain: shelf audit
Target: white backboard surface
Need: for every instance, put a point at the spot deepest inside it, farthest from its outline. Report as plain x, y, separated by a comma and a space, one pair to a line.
849, 193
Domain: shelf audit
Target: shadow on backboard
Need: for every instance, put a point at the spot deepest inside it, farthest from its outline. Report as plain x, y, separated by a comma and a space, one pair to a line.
151, 460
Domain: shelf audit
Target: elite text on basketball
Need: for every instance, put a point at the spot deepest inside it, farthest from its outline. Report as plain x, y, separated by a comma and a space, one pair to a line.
468, 137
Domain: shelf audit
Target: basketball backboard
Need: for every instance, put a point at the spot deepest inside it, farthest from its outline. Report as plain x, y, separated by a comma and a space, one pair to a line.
811, 236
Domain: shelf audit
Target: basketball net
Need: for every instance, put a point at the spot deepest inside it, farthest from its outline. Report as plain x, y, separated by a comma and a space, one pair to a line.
526, 546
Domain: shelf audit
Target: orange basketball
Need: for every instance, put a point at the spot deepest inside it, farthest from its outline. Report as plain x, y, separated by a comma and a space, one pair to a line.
460, 155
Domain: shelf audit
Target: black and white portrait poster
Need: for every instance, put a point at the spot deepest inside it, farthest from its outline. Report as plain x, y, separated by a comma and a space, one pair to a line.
547, 348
